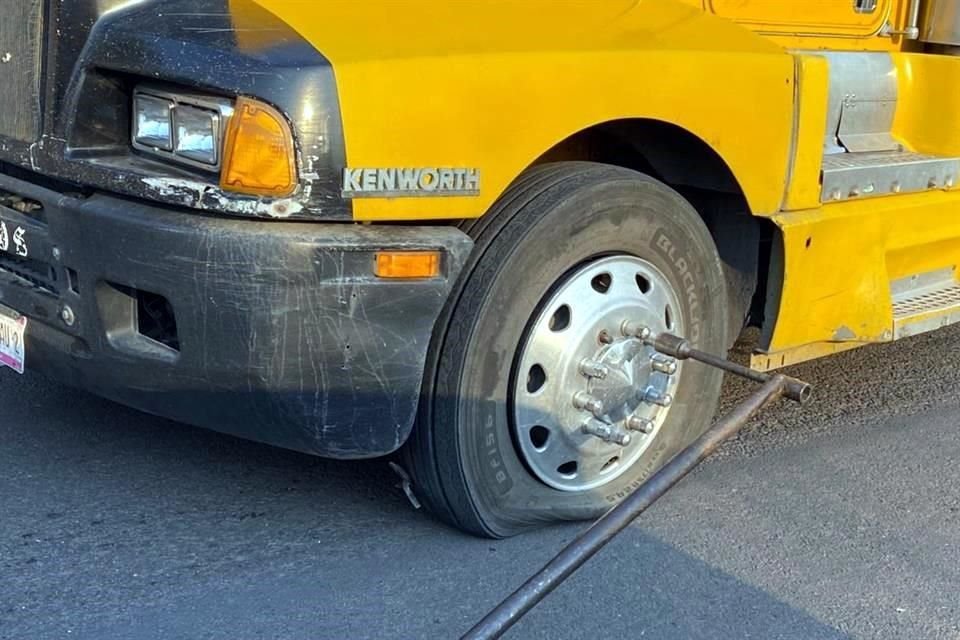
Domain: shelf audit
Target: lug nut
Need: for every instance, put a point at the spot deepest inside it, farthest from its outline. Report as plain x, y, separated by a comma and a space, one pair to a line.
585, 401
663, 364
653, 396
594, 369
635, 330
636, 423
607, 432
604, 337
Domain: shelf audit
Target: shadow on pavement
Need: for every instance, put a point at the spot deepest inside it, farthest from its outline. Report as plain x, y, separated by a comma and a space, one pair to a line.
118, 524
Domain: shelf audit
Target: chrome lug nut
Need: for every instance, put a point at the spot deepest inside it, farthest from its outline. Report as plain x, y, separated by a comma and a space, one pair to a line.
663, 364
594, 369
635, 330
607, 432
585, 401
652, 396
636, 423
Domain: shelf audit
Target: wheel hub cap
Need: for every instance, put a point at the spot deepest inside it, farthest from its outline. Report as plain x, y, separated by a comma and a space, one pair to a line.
590, 394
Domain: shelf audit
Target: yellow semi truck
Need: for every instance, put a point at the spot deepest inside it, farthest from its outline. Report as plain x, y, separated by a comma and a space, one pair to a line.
448, 228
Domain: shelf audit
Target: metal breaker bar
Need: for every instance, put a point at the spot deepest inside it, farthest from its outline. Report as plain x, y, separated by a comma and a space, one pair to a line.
588, 543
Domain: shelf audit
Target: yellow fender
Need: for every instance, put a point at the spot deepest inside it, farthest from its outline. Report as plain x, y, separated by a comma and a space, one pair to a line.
492, 85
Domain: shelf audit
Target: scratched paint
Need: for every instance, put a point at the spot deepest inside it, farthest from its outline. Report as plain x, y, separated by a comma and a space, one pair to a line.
201, 195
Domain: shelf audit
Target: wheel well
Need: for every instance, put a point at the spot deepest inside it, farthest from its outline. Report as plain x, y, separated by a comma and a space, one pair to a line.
686, 163
665, 151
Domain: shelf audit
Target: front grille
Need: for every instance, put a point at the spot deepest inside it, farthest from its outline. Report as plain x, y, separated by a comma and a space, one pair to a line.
21, 68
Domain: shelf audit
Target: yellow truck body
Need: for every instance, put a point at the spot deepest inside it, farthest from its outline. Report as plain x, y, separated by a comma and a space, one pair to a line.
498, 85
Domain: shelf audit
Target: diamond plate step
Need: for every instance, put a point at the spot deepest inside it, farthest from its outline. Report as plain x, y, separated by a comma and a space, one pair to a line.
879, 173
932, 302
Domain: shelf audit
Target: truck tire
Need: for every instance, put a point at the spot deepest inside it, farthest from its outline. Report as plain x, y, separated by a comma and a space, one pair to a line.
541, 402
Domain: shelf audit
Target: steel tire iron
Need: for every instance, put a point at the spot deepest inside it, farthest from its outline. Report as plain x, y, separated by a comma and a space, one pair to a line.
575, 554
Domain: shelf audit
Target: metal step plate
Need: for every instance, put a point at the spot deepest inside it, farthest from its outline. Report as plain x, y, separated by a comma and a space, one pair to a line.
925, 302
860, 175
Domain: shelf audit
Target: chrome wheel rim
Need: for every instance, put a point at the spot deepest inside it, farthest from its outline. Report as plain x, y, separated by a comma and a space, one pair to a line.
590, 395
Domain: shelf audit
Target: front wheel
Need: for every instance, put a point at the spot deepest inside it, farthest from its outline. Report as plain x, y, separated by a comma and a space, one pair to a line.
542, 401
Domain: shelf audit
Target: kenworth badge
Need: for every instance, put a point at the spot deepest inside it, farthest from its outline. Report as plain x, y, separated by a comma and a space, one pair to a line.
410, 183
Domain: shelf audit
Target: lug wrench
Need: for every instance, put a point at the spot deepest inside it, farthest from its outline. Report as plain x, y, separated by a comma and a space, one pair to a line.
588, 543
679, 348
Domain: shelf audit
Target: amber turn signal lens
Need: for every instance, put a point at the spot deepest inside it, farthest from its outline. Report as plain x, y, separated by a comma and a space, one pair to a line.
259, 154
407, 264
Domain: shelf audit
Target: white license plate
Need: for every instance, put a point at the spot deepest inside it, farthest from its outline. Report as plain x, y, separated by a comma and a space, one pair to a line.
12, 328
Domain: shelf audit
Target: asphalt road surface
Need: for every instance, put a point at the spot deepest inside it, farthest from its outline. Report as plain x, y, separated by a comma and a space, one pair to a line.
839, 521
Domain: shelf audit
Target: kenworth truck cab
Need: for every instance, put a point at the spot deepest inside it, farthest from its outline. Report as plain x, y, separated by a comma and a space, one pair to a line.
449, 229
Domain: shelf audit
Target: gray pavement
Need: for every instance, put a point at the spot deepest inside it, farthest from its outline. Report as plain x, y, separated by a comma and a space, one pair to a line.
840, 521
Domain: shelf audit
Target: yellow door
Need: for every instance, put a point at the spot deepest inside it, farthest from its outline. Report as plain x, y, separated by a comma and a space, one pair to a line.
853, 18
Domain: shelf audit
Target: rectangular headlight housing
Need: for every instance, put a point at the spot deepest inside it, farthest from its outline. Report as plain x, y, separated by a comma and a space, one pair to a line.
197, 134
180, 127
152, 122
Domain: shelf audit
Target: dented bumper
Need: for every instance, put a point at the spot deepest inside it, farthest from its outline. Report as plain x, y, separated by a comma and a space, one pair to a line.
273, 331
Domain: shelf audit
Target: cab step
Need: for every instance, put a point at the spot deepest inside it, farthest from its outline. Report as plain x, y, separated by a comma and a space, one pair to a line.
863, 155
878, 173
925, 302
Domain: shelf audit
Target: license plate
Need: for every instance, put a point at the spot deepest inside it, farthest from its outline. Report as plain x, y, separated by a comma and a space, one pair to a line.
12, 328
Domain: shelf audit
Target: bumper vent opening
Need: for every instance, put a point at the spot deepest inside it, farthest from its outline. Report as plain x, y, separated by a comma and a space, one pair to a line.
155, 319
138, 322
27, 206
37, 272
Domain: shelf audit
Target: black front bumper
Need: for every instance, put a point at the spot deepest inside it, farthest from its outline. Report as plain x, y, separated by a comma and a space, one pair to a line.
272, 331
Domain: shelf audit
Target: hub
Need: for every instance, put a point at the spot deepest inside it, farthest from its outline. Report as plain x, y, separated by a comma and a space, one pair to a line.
590, 394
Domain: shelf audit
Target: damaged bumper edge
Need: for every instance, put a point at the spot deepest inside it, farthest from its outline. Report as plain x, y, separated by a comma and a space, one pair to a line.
268, 330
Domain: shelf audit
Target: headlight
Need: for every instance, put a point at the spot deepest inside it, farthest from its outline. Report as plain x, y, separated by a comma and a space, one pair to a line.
198, 134
184, 128
152, 122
